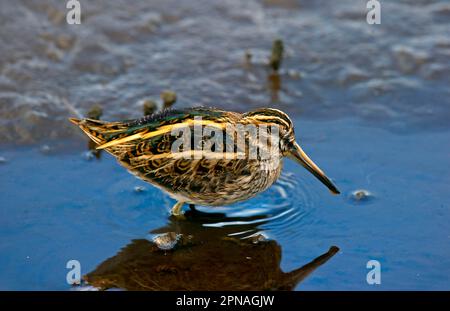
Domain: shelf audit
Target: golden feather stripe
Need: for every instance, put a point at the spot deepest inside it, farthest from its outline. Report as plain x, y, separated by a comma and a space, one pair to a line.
258, 118
162, 130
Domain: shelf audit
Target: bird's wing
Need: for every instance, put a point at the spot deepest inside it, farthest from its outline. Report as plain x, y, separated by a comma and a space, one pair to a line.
145, 146
122, 135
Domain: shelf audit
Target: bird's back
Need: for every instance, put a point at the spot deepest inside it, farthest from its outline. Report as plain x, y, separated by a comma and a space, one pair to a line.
150, 149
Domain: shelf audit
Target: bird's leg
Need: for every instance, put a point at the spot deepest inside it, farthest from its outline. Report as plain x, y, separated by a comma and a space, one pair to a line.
176, 209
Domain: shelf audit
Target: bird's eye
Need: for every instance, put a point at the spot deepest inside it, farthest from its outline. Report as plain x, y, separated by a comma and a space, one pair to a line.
285, 144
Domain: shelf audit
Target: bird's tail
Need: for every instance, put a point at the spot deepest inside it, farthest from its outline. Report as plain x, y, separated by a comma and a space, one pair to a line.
95, 129
99, 131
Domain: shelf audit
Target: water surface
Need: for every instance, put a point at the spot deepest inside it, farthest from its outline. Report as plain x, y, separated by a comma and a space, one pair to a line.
59, 206
370, 105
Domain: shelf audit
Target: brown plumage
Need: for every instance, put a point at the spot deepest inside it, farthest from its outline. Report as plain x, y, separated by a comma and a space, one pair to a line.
203, 167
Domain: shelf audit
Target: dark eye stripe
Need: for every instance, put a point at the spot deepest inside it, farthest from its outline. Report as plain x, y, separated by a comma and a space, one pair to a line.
273, 119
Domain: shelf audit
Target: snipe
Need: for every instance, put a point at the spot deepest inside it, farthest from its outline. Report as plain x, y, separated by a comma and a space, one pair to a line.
204, 156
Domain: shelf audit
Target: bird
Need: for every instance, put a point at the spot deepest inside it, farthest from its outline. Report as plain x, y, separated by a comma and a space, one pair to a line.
204, 156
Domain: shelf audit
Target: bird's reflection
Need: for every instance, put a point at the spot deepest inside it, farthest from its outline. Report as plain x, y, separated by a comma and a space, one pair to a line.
274, 86
193, 254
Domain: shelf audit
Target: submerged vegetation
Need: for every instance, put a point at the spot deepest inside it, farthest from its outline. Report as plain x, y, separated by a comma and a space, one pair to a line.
276, 58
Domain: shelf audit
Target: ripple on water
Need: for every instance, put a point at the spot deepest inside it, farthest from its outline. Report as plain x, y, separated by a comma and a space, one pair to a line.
125, 54
361, 196
286, 205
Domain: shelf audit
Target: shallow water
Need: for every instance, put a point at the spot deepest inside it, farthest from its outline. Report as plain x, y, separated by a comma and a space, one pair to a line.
59, 206
370, 105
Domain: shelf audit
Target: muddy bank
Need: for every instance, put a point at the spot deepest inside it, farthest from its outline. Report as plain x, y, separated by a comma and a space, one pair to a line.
392, 75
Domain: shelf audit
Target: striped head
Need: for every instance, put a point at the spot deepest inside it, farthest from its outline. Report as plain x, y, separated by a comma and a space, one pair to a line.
288, 144
270, 116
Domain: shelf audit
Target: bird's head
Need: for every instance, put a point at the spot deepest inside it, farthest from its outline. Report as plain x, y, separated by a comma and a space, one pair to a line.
288, 144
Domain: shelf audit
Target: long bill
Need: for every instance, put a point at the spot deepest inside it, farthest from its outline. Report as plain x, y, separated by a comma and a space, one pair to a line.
297, 154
